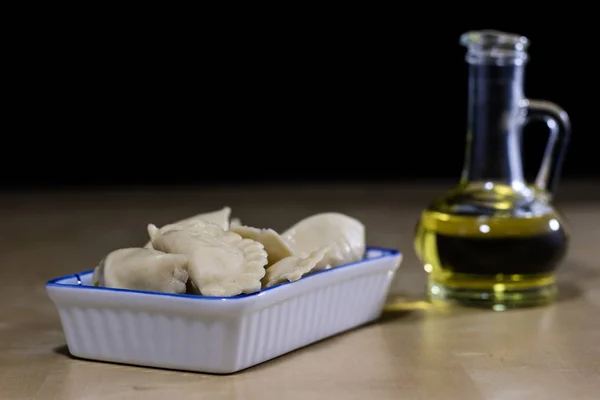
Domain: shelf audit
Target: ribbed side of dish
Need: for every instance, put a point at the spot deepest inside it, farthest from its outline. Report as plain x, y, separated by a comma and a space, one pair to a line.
150, 339
303, 320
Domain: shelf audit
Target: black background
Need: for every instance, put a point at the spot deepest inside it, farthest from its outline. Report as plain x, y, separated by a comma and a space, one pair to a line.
345, 99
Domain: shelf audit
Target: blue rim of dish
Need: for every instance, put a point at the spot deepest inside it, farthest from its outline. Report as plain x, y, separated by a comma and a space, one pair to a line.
385, 252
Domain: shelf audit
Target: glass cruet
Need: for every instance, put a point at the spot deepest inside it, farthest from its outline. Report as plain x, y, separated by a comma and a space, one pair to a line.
495, 240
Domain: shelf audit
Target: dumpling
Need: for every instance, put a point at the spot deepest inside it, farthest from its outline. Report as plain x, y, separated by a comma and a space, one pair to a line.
219, 265
274, 244
197, 227
292, 268
218, 217
344, 235
142, 269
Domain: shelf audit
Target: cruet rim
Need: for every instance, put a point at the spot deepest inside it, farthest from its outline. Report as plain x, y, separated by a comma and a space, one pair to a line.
494, 38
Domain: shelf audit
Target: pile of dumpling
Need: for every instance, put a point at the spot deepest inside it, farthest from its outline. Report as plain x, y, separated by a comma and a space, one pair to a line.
212, 255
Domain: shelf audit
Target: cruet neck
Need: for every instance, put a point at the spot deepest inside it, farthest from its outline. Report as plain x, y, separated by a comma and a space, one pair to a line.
493, 47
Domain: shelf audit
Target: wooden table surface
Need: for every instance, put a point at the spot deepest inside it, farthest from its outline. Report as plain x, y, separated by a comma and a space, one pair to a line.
418, 352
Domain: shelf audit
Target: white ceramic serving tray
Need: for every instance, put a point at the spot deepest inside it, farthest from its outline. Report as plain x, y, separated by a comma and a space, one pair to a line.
220, 335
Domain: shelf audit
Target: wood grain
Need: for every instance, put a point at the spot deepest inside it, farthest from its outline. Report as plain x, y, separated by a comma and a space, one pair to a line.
415, 352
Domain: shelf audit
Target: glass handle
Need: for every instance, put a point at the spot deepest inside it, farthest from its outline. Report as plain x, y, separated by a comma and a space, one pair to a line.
557, 121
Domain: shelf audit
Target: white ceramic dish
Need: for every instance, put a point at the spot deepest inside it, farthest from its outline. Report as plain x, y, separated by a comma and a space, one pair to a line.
220, 335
